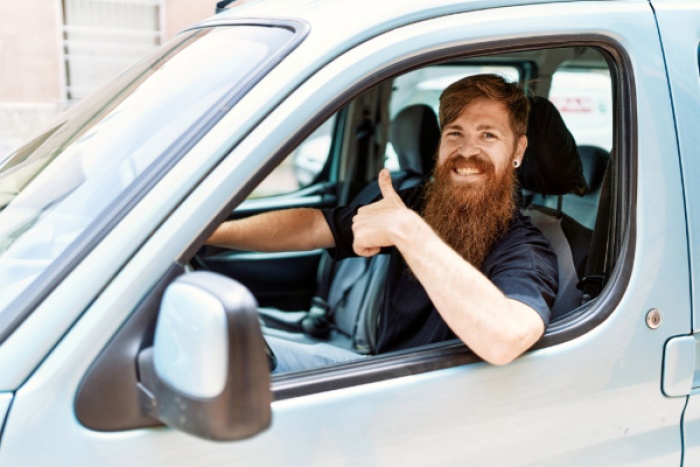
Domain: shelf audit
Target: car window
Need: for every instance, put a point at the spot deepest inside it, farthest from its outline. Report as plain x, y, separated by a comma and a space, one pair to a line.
303, 165
424, 86
355, 319
160, 104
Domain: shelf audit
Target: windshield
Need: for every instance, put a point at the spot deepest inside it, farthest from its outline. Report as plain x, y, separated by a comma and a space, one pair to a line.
69, 177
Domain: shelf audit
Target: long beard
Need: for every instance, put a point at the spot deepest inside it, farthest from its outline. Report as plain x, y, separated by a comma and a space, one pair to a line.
470, 219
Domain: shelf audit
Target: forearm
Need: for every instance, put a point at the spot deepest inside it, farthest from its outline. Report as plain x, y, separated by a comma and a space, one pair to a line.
287, 230
496, 328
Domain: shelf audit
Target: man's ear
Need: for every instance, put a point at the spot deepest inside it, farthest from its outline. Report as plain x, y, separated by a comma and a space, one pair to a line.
520, 146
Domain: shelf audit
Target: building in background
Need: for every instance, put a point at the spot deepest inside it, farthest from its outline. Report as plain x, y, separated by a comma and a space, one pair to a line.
54, 52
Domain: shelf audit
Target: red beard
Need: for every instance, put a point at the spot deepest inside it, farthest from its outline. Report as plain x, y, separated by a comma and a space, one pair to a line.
469, 218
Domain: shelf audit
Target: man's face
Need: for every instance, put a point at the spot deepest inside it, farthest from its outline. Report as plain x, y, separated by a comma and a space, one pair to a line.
479, 146
471, 200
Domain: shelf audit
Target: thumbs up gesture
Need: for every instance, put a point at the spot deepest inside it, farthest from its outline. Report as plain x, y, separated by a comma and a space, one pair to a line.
377, 225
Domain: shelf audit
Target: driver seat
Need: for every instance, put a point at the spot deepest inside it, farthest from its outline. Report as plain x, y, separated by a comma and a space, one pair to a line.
356, 287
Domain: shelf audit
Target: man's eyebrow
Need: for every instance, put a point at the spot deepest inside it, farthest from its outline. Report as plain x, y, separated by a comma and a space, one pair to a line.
451, 126
485, 126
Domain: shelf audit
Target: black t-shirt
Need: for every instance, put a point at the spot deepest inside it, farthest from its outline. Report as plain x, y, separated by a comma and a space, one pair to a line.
522, 265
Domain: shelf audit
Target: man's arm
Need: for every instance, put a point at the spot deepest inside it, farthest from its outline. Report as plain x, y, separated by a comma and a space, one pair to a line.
495, 327
287, 230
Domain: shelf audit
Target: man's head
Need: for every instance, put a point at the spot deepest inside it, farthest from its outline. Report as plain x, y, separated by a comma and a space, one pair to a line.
483, 120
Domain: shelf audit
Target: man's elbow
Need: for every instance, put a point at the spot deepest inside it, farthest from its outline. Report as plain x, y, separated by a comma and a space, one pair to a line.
501, 356
508, 348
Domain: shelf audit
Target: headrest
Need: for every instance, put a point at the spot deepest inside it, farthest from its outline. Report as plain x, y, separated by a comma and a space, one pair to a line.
551, 165
415, 136
595, 161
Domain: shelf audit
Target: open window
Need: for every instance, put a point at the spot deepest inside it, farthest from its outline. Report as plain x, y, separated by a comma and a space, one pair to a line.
578, 81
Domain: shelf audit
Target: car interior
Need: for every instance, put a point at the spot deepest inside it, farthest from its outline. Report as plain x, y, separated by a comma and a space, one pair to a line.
308, 297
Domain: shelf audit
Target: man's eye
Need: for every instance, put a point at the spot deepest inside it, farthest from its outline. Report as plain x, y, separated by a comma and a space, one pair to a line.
488, 135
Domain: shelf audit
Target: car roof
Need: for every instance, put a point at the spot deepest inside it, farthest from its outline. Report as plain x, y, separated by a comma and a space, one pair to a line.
338, 25
354, 17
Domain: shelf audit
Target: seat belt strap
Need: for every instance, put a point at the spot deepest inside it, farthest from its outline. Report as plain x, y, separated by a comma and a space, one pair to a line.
596, 274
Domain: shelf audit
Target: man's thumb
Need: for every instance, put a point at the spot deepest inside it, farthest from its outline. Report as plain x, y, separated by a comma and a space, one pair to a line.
385, 185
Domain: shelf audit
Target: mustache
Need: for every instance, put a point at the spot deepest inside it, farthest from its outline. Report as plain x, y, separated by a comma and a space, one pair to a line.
477, 161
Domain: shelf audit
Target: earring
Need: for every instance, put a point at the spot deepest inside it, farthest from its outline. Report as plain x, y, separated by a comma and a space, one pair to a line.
516, 164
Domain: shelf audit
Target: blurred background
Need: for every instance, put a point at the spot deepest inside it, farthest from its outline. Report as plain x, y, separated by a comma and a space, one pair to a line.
54, 52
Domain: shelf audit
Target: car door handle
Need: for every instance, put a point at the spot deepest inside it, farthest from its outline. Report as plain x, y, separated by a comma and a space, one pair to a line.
681, 375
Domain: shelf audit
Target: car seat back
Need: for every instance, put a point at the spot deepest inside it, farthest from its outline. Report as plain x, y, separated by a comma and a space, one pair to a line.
552, 166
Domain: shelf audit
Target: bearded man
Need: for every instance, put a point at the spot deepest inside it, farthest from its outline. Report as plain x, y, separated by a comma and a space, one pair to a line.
464, 262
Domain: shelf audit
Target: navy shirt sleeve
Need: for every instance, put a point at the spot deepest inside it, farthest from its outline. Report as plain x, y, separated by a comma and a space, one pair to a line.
524, 267
340, 222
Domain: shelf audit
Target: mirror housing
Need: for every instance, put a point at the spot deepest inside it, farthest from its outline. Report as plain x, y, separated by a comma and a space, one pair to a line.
207, 373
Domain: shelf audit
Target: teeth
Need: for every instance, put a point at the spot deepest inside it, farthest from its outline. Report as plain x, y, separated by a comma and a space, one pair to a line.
467, 171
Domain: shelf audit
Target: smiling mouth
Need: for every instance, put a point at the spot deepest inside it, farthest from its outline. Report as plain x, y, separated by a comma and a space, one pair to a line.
471, 167
468, 171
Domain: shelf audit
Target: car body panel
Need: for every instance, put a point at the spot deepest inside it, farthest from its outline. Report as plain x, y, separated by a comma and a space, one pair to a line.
553, 406
679, 24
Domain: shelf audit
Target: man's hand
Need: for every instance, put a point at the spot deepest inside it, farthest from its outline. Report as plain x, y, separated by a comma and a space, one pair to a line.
376, 224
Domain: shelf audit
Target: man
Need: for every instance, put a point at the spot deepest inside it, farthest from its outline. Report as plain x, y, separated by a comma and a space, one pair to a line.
464, 261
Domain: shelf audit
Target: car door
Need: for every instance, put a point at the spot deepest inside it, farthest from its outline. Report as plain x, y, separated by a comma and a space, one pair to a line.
679, 26
589, 393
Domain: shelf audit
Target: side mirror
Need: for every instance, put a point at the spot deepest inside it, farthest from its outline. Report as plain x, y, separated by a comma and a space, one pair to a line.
207, 373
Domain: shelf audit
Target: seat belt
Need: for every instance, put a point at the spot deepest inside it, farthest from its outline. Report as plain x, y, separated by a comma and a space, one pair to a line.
319, 321
597, 272
315, 323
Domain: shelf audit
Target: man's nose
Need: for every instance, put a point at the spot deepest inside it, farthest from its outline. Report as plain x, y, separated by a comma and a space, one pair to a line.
469, 147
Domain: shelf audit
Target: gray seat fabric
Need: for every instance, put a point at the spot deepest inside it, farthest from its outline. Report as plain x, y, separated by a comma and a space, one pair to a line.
568, 295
